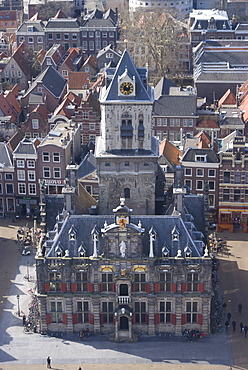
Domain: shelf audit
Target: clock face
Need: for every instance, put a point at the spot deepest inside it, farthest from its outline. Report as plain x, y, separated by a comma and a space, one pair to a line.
126, 88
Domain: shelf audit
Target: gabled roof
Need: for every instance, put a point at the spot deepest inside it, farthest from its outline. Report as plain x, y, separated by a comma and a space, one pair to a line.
9, 106
163, 87
126, 65
91, 61
42, 111
78, 80
19, 57
56, 52
227, 99
51, 80
15, 140
171, 152
93, 102
60, 14
69, 61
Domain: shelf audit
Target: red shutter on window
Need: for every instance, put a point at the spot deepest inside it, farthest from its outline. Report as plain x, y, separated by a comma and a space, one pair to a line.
147, 317
91, 318
73, 287
132, 287
184, 287
173, 287
101, 319
199, 319
48, 318
183, 319
74, 318
64, 318
63, 287
157, 287
133, 319
100, 287
173, 319
156, 319
90, 287
114, 288
200, 287
47, 287
148, 288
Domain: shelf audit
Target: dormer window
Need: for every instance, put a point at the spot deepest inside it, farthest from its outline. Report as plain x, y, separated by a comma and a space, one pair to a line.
165, 252
175, 237
201, 158
59, 251
187, 252
81, 251
72, 234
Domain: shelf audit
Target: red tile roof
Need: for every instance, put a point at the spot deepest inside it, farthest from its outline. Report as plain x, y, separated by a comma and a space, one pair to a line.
77, 80
227, 99
20, 59
172, 153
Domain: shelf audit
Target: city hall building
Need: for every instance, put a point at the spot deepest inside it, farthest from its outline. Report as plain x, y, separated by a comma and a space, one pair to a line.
135, 266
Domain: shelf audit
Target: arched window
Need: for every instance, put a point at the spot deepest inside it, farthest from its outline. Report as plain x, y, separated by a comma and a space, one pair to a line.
126, 130
126, 193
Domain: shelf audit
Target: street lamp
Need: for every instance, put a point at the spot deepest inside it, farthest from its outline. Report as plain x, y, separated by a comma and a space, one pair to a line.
18, 305
27, 264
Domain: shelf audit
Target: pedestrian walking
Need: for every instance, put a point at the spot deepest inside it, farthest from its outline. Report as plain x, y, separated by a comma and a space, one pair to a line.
224, 305
241, 326
229, 315
240, 307
80, 368
49, 362
227, 325
23, 320
245, 329
234, 325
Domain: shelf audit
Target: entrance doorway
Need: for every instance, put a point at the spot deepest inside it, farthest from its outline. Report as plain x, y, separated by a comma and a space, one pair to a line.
123, 323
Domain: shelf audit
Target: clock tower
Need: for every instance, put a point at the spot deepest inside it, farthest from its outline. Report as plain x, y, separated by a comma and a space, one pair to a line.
126, 151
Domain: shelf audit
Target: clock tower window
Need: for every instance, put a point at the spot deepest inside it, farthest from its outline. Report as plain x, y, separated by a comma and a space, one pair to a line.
126, 131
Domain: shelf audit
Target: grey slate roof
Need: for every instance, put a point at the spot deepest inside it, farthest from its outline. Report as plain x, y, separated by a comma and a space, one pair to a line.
164, 225
126, 63
163, 87
235, 57
38, 26
235, 76
63, 23
5, 155
51, 80
175, 106
87, 166
25, 146
189, 155
54, 206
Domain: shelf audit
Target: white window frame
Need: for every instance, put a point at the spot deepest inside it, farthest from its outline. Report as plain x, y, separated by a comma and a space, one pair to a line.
58, 171
190, 169
44, 156
35, 124
46, 169
56, 155
31, 164
31, 175
199, 170
6, 185
211, 169
32, 189
21, 175
21, 188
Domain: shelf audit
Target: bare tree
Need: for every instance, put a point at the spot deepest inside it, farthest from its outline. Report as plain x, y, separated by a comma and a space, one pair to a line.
154, 38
